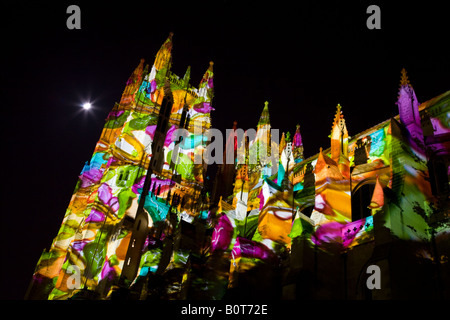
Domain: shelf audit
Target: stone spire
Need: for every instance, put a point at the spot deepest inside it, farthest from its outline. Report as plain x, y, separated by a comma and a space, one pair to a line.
339, 136
297, 145
339, 143
265, 118
408, 109
407, 101
164, 55
404, 81
206, 86
282, 143
263, 128
187, 77
134, 81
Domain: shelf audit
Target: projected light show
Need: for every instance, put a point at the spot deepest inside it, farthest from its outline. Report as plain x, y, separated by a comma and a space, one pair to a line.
197, 153
142, 220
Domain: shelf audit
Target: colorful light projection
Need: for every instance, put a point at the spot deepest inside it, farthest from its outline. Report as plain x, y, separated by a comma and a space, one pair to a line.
257, 231
383, 156
96, 229
272, 205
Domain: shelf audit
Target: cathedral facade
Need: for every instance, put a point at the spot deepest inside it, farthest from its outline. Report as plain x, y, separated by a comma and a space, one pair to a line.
149, 219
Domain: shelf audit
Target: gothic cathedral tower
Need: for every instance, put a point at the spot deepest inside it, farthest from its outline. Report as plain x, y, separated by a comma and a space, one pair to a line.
142, 171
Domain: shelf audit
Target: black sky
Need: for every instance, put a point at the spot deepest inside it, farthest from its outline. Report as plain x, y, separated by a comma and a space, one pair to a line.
303, 57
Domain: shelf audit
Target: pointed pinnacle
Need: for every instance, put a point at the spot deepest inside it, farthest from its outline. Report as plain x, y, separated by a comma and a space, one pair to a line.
187, 75
211, 64
404, 81
337, 116
188, 72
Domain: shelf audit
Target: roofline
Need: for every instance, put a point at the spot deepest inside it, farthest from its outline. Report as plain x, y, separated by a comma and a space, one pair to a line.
422, 106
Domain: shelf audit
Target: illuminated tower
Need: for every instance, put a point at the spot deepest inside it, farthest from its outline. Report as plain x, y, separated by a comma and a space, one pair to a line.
339, 142
297, 145
281, 168
291, 152
138, 178
257, 163
332, 176
408, 108
286, 161
261, 156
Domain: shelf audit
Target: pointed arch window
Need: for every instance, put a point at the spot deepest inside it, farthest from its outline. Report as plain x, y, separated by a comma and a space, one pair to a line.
439, 175
361, 199
123, 175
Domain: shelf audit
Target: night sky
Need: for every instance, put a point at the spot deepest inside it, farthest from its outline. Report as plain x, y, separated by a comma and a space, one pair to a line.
303, 57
